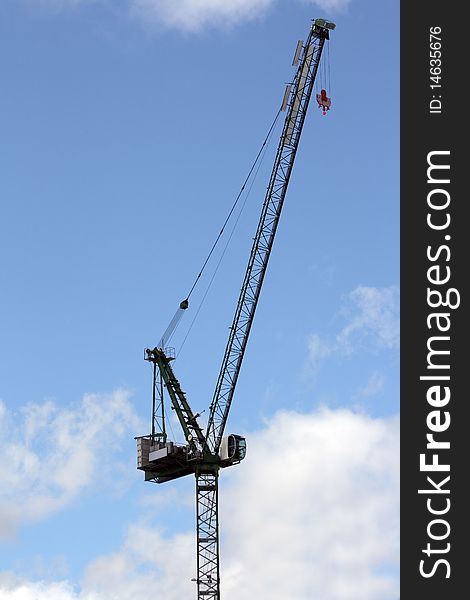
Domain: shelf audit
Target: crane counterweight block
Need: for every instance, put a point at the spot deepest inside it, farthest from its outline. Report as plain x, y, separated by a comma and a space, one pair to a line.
165, 461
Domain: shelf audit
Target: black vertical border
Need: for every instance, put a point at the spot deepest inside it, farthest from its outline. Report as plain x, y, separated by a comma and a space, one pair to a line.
422, 132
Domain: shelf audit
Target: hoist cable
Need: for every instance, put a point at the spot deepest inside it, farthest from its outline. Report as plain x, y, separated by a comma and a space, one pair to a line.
225, 248
234, 205
329, 64
166, 337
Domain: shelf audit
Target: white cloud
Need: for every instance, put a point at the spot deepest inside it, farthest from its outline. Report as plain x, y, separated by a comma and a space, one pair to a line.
311, 512
314, 511
372, 322
12, 588
374, 317
146, 561
48, 457
195, 15
192, 15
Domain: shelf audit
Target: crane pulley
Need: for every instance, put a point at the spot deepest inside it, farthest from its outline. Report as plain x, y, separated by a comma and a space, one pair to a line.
203, 454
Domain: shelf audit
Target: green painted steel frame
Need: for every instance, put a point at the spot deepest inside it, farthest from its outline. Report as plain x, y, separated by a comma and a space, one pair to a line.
301, 92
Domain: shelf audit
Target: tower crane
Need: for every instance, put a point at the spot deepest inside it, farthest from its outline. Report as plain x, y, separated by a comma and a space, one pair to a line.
206, 452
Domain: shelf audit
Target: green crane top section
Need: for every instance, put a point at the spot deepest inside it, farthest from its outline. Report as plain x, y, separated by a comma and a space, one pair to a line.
308, 57
188, 420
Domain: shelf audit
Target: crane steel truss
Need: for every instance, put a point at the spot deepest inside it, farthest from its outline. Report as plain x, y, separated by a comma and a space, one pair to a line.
297, 108
204, 455
208, 576
158, 406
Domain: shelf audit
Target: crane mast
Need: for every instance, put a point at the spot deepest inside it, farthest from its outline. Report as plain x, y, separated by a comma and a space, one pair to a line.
204, 454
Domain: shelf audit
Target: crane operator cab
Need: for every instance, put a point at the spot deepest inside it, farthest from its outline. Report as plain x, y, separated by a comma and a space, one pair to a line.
323, 101
232, 450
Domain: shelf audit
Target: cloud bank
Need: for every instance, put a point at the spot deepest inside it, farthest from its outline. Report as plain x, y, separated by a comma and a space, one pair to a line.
371, 321
194, 15
311, 512
316, 508
50, 454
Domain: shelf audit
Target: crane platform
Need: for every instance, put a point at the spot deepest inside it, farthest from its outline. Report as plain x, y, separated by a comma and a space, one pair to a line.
164, 461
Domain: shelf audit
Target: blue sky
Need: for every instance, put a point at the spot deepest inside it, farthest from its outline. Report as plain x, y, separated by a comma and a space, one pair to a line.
127, 129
